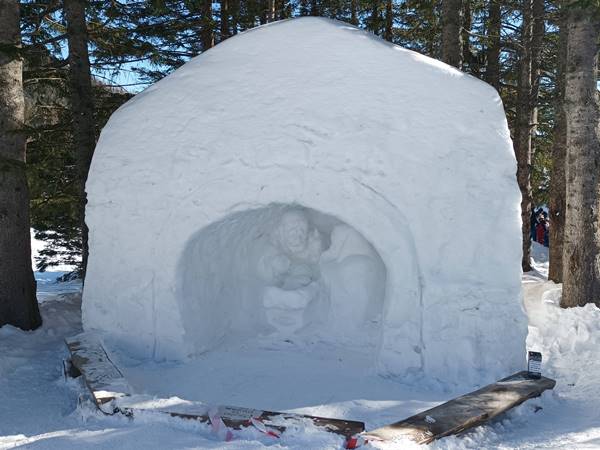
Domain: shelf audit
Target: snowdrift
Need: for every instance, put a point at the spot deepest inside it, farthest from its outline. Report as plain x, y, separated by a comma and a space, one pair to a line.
307, 181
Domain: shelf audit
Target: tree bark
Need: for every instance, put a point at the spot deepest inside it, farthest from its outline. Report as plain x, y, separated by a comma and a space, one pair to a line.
270, 10
451, 33
388, 33
82, 106
207, 35
225, 33
557, 176
466, 24
18, 303
492, 72
354, 12
581, 251
234, 6
374, 19
526, 117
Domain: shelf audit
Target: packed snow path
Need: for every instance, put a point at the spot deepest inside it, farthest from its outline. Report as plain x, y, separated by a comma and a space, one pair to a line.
39, 410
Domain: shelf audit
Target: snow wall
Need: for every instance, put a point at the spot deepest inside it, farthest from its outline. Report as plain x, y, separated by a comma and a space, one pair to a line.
307, 180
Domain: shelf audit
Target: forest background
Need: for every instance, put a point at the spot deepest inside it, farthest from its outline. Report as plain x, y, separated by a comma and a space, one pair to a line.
83, 59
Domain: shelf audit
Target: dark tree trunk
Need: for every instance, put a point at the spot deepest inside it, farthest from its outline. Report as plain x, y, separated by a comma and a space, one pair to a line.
18, 303
270, 10
279, 10
492, 73
284, 10
375, 22
557, 177
465, 37
581, 251
207, 34
354, 12
234, 7
314, 8
526, 117
82, 105
451, 37
225, 32
388, 33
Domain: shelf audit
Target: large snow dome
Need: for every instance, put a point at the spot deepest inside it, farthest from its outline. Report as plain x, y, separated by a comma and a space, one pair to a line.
308, 181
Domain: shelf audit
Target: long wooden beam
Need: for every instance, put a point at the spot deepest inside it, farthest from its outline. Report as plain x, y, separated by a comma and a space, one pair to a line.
467, 411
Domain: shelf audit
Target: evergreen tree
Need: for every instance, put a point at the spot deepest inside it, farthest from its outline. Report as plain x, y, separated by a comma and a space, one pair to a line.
559, 148
581, 251
18, 303
82, 107
451, 32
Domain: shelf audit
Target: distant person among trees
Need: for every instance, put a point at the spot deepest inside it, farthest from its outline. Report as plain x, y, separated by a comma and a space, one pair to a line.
542, 226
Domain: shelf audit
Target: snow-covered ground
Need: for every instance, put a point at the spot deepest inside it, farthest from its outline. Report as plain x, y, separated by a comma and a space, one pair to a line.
39, 409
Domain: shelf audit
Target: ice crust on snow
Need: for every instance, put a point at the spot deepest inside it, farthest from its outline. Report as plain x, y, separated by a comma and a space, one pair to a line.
306, 180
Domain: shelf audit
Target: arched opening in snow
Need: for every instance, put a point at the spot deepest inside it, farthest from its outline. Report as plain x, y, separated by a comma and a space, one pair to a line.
283, 272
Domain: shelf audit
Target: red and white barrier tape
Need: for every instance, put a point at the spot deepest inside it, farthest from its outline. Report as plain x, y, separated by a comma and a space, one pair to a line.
356, 441
260, 426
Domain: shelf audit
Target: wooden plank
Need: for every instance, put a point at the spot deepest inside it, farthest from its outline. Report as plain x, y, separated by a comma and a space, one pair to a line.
235, 417
467, 411
112, 394
104, 380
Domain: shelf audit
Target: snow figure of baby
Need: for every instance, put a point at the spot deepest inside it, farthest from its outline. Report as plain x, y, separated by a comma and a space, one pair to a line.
291, 268
355, 276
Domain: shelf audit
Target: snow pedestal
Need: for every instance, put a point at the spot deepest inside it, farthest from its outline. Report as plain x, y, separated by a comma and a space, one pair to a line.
306, 180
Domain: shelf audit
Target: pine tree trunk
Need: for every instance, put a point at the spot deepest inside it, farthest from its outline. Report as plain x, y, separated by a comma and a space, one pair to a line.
234, 6
82, 105
526, 117
389, 21
271, 10
354, 12
207, 36
375, 25
451, 37
465, 37
492, 73
18, 303
314, 8
581, 251
225, 33
557, 177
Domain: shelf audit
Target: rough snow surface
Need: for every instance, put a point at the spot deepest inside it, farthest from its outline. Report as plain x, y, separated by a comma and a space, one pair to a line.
396, 167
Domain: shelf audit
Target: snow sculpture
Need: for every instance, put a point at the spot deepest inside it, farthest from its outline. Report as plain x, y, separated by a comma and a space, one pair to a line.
353, 270
292, 260
277, 188
291, 269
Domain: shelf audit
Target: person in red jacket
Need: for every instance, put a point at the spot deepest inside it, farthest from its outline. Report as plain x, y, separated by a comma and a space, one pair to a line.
540, 230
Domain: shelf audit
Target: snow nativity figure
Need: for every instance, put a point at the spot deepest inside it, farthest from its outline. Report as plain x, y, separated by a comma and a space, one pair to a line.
290, 267
352, 270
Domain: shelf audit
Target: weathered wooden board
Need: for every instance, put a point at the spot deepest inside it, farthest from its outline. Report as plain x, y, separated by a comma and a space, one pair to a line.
235, 417
467, 411
112, 394
104, 380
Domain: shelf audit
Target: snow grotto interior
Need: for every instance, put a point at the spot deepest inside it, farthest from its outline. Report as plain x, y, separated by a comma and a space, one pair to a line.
342, 201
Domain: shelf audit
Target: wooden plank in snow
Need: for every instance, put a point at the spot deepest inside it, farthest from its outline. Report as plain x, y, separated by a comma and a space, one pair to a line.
232, 416
467, 411
112, 394
104, 380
